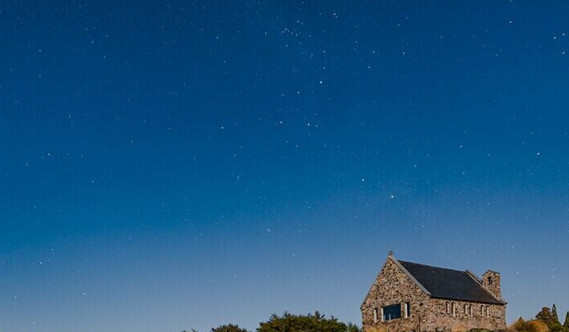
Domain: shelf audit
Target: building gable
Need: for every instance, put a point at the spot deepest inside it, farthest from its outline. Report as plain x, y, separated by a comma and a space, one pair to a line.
394, 282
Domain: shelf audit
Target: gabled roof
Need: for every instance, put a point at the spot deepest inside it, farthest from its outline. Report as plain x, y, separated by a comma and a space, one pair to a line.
449, 284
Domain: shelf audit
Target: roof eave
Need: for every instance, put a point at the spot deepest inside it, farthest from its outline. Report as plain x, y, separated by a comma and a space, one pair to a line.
467, 300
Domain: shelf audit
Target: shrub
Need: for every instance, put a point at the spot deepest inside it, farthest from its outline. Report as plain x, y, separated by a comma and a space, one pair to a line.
537, 326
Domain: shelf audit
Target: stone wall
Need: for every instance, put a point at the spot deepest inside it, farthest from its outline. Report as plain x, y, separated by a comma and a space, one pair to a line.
480, 315
396, 287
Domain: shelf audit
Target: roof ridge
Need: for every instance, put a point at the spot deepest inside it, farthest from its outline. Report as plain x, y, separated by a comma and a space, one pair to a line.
432, 266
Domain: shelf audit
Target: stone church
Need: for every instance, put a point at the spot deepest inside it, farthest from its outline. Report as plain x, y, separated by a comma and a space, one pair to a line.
414, 297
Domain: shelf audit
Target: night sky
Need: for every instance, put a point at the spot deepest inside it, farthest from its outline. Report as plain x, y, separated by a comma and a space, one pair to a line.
167, 165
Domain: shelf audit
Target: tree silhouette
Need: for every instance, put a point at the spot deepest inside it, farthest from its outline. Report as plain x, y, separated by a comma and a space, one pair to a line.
554, 313
228, 328
305, 323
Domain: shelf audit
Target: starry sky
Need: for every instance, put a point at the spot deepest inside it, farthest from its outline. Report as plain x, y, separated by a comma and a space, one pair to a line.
167, 165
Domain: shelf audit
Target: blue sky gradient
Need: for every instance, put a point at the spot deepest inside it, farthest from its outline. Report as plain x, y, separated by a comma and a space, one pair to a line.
183, 164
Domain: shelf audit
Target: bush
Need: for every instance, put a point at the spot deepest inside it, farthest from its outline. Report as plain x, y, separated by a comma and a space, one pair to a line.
537, 326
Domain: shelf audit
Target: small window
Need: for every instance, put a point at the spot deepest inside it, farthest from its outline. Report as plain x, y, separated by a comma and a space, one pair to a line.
408, 307
470, 310
453, 307
466, 309
488, 312
391, 312
375, 315
481, 310
447, 304
490, 280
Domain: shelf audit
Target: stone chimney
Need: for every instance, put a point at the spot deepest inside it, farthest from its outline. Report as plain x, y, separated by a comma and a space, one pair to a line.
491, 281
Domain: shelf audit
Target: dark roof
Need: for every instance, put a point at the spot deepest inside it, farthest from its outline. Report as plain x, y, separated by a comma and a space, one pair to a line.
449, 284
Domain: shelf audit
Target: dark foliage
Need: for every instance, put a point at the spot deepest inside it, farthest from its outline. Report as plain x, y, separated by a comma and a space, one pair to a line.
554, 313
546, 316
305, 323
228, 328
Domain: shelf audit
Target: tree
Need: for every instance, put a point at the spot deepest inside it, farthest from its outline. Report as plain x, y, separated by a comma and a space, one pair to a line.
546, 316
519, 325
353, 328
228, 328
554, 313
304, 323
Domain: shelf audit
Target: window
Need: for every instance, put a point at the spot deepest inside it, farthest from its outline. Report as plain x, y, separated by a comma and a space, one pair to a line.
482, 310
391, 312
487, 311
447, 304
375, 315
468, 310
453, 308
490, 280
